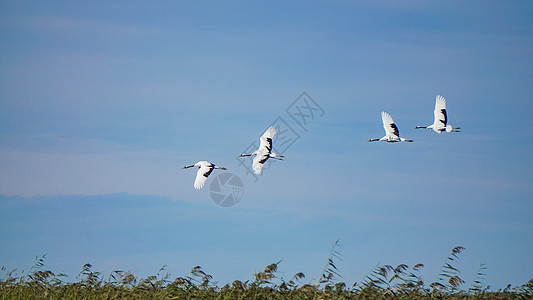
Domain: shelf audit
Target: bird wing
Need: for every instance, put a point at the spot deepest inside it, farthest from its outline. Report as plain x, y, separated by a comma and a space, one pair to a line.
266, 139
441, 118
258, 162
202, 174
388, 123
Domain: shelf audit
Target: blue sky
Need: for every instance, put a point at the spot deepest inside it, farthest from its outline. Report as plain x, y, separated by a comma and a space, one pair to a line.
101, 103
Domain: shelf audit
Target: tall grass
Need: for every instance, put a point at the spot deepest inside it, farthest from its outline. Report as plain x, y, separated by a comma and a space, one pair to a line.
383, 282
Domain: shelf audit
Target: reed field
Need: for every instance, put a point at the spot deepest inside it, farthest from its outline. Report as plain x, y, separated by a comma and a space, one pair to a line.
383, 282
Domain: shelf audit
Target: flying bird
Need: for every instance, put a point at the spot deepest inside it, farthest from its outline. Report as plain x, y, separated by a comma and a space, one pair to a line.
265, 151
204, 169
440, 124
392, 134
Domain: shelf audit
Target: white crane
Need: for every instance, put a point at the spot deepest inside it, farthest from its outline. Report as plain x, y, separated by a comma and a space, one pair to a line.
392, 134
440, 124
204, 169
265, 151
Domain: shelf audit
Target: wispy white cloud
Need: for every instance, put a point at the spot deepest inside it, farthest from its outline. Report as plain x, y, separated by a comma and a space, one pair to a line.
84, 171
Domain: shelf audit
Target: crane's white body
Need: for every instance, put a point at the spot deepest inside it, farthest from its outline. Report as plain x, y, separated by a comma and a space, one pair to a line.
392, 134
440, 121
264, 152
204, 169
